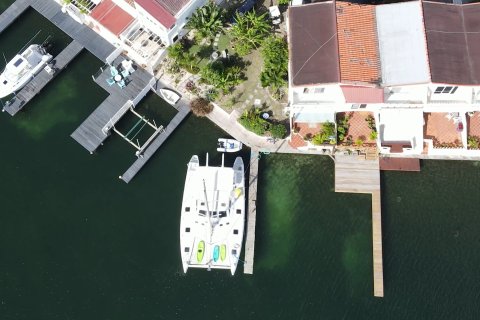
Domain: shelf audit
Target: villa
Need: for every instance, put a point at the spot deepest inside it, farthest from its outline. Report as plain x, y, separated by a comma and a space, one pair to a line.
142, 29
413, 66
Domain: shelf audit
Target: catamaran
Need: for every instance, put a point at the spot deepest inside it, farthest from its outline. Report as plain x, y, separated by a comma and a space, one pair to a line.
213, 216
22, 68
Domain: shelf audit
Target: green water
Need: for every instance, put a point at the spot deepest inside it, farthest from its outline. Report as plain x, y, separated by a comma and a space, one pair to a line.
77, 243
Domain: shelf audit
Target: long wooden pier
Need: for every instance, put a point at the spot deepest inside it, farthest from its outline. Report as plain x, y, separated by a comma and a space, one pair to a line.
35, 85
252, 212
183, 111
354, 175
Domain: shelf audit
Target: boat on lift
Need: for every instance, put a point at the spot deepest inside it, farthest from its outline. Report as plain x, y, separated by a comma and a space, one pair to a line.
22, 68
212, 216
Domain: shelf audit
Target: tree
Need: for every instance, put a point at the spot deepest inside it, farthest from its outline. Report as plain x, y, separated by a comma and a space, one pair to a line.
223, 77
207, 20
249, 31
275, 63
201, 107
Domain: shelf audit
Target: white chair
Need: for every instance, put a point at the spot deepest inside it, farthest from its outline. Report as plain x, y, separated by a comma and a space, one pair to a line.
275, 14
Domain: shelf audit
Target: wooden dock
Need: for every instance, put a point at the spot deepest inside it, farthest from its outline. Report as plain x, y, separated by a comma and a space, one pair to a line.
252, 212
399, 164
183, 110
91, 134
354, 175
35, 85
51, 10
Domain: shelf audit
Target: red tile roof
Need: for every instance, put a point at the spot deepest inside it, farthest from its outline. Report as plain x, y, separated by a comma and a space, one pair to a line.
297, 141
357, 43
157, 10
173, 6
111, 16
356, 94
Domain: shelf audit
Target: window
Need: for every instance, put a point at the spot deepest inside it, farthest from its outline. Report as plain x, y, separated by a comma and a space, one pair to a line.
187, 249
187, 209
239, 211
187, 229
313, 90
235, 231
450, 90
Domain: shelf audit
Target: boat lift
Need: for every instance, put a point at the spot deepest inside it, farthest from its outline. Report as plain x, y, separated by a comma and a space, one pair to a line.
136, 129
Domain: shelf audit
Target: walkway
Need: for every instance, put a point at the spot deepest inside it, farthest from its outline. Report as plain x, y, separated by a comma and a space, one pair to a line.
354, 175
51, 10
43, 78
252, 212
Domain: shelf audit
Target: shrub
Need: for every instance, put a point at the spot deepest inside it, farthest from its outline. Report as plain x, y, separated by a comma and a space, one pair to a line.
373, 135
473, 142
275, 63
201, 107
252, 121
207, 20
278, 131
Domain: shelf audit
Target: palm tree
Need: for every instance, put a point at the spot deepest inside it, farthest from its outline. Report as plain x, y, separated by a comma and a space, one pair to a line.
249, 31
201, 107
207, 20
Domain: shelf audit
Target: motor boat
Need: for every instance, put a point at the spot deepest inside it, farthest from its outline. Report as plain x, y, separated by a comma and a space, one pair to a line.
228, 145
22, 68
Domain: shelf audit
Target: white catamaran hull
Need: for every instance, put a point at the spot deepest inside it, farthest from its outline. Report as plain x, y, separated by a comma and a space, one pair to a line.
22, 68
213, 216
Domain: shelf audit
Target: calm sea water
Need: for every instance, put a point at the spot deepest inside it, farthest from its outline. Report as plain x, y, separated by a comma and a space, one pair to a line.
77, 243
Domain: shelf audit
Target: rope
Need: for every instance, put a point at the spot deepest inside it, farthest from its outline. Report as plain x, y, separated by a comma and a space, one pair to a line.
136, 124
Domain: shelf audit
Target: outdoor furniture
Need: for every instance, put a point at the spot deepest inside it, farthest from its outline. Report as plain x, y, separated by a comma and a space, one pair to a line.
214, 56
125, 73
117, 78
113, 71
275, 14
110, 81
121, 84
128, 66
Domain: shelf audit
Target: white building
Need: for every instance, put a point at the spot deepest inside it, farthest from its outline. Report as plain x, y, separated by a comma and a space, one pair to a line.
417, 57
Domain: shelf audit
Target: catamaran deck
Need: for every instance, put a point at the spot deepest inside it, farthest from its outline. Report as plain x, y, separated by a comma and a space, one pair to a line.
354, 175
33, 87
252, 212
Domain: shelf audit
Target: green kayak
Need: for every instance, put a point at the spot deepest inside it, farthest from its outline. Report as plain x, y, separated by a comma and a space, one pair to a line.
200, 251
223, 252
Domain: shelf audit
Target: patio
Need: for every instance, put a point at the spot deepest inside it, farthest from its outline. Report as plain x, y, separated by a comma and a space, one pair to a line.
444, 129
473, 127
358, 128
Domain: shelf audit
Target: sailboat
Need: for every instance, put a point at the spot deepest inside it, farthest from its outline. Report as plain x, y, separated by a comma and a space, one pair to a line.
212, 216
22, 68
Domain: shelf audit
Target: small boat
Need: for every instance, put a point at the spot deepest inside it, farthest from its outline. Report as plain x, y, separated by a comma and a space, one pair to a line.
200, 251
228, 145
169, 95
22, 68
216, 253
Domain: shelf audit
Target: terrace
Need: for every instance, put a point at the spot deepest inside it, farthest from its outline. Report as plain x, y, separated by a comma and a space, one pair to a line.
473, 130
359, 129
443, 129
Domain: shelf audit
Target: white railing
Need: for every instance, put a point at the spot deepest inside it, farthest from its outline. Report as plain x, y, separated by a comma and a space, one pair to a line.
117, 116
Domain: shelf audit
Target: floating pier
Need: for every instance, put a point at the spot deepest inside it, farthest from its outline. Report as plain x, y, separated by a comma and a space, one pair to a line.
183, 111
252, 212
35, 85
354, 175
